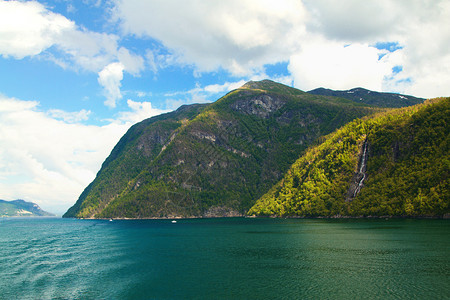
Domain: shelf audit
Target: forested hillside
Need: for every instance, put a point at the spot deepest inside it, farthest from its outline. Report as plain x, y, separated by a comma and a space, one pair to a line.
215, 159
395, 163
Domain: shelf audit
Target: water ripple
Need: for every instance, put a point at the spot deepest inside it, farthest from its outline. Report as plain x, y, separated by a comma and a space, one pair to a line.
223, 259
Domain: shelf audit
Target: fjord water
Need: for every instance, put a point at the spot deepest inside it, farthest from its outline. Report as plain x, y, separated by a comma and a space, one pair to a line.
235, 258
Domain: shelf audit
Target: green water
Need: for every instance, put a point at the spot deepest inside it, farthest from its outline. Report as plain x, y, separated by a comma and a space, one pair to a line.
224, 259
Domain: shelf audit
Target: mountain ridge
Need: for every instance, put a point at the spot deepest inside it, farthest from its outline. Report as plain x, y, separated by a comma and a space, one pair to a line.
361, 95
21, 208
215, 159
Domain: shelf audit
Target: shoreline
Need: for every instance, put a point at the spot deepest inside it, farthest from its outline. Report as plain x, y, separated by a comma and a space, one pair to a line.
444, 217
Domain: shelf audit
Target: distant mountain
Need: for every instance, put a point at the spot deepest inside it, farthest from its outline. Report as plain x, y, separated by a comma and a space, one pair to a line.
361, 95
396, 163
21, 208
213, 159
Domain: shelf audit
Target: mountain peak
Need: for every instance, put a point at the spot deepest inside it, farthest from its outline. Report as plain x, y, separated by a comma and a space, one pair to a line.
271, 86
259, 85
209, 160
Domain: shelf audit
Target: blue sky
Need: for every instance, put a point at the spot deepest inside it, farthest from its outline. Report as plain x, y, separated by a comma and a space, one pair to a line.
75, 75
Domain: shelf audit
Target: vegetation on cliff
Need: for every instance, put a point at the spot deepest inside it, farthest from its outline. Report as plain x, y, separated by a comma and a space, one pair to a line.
393, 163
215, 159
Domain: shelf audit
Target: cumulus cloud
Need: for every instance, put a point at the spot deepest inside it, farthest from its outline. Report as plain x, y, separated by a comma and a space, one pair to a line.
421, 28
48, 157
133, 64
426, 56
30, 29
333, 65
87, 50
239, 36
353, 20
316, 37
217, 88
110, 79
139, 111
242, 36
200, 94
27, 28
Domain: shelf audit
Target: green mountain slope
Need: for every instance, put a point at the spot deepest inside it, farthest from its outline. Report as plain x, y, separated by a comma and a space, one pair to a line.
212, 160
21, 208
361, 95
395, 163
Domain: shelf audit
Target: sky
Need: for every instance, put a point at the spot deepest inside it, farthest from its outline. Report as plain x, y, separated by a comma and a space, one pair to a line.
76, 74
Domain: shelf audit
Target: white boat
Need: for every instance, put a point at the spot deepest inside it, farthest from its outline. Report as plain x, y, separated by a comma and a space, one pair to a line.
174, 221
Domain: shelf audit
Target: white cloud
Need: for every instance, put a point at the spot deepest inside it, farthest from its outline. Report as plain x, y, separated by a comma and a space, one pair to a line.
30, 29
426, 55
200, 94
70, 117
51, 161
151, 62
142, 94
139, 111
86, 49
133, 64
333, 65
27, 28
421, 28
355, 20
239, 36
218, 88
110, 79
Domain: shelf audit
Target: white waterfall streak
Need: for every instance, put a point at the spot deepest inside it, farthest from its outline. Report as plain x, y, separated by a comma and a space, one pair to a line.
363, 159
362, 170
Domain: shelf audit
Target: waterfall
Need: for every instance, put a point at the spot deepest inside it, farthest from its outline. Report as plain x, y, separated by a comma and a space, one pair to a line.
363, 158
360, 183
362, 170
360, 174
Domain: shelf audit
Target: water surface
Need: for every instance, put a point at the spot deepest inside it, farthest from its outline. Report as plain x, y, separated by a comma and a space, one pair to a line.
233, 258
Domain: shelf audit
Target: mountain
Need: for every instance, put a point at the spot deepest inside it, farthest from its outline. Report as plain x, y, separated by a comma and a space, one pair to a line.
212, 159
361, 95
21, 208
395, 163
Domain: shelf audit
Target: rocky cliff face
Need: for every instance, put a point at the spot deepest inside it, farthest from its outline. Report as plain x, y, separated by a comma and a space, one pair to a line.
259, 105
